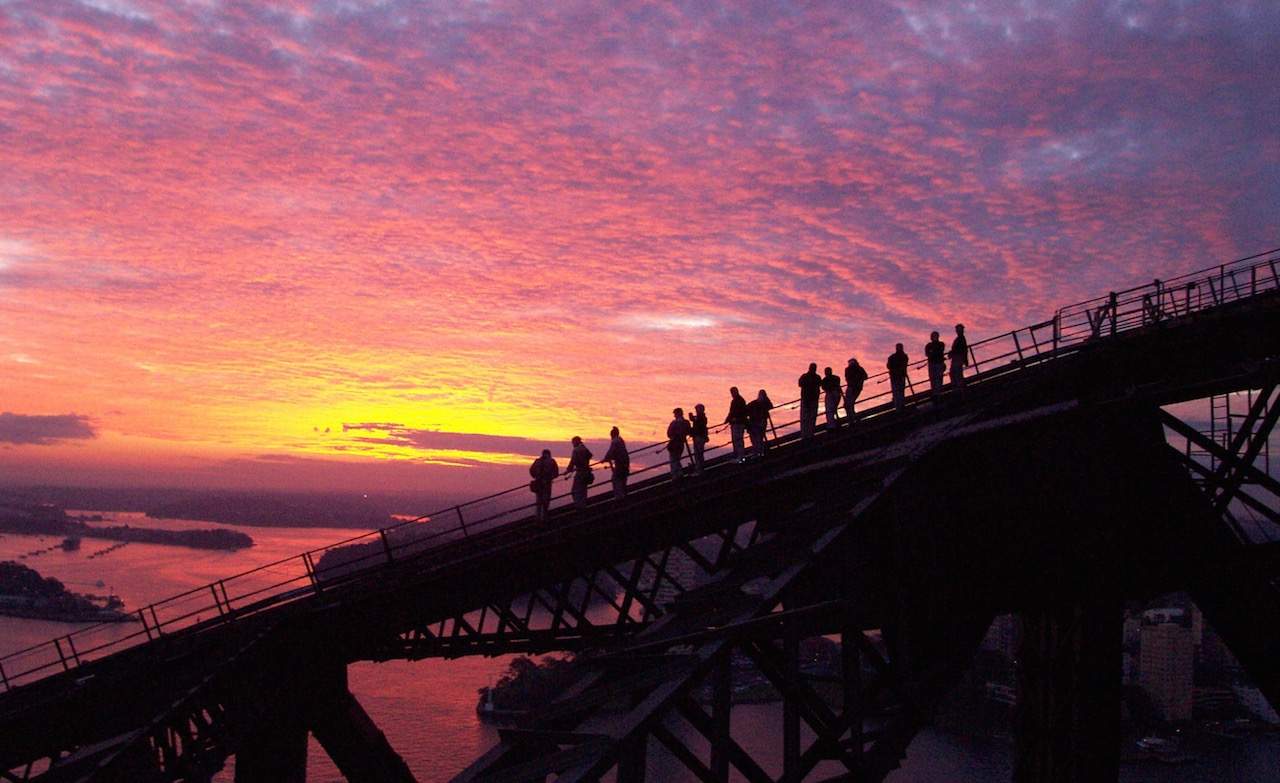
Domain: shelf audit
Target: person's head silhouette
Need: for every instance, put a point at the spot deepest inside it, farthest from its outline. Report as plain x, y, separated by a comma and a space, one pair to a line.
678, 413
960, 329
826, 371
546, 452
613, 433
933, 335
576, 441
733, 391
813, 366
898, 348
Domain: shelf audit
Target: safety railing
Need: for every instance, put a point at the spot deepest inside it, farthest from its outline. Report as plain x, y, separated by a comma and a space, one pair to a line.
314, 571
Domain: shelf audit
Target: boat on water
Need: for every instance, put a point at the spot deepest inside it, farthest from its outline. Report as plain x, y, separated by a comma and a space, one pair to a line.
1154, 744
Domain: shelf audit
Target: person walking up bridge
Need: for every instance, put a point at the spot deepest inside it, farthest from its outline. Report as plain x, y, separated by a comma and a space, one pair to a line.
897, 366
543, 471
959, 359
737, 421
810, 386
935, 351
678, 432
580, 467
831, 395
620, 463
855, 375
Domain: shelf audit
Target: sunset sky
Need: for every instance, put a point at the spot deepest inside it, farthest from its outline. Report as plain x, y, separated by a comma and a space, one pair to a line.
393, 245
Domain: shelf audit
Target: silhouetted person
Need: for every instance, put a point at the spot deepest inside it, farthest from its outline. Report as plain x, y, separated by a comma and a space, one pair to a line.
758, 413
699, 433
959, 356
677, 436
935, 351
810, 386
619, 462
543, 471
830, 395
854, 377
580, 467
737, 421
897, 365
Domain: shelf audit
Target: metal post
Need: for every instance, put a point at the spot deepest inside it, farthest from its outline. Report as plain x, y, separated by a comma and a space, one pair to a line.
213, 588
461, 520
145, 627
4, 678
1017, 345
61, 656
721, 702
1112, 303
74, 653
791, 709
851, 670
386, 545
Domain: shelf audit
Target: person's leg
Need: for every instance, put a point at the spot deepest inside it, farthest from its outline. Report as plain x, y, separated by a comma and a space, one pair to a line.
806, 429
899, 386
699, 448
832, 406
739, 451
935, 379
674, 456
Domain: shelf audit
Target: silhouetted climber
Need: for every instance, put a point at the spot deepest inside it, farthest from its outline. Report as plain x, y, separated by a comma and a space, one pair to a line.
543, 471
854, 377
897, 365
959, 359
737, 421
935, 351
810, 385
580, 467
830, 395
619, 462
677, 437
700, 434
758, 416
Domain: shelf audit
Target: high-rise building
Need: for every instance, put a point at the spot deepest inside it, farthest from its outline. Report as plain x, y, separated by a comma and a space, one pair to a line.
1166, 662
1003, 636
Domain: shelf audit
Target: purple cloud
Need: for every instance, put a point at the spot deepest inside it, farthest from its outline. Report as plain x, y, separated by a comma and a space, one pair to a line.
24, 430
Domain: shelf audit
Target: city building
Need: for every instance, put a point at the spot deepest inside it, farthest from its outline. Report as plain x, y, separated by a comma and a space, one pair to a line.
1167, 662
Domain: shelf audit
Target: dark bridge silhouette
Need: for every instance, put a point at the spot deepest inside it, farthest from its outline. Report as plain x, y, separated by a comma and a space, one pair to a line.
1058, 488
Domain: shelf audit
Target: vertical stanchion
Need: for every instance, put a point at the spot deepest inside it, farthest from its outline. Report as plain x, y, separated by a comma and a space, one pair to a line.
851, 671
4, 678
61, 655
791, 708
75, 654
1112, 303
213, 588
1017, 345
386, 545
143, 617
721, 703
461, 521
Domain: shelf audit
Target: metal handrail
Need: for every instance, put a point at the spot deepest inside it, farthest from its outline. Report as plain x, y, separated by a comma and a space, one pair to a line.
300, 576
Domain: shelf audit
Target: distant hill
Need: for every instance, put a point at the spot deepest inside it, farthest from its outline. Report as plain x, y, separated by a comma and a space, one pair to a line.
239, 507
269, 510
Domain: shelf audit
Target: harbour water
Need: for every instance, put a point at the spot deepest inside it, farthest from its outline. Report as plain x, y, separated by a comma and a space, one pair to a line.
427, 708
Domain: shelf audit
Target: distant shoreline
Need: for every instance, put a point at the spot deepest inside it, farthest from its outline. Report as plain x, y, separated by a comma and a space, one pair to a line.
51, 521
